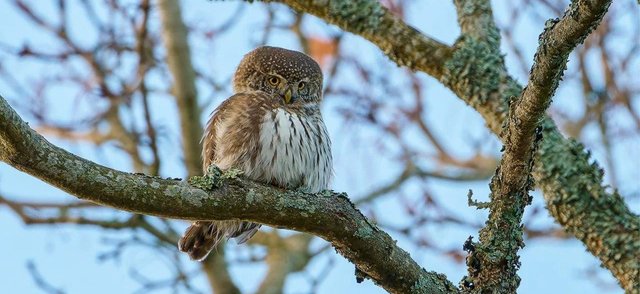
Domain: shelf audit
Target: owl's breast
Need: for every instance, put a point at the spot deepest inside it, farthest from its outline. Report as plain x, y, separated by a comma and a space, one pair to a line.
293, 150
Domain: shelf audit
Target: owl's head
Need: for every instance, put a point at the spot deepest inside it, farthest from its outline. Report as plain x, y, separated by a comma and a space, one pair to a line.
291, 75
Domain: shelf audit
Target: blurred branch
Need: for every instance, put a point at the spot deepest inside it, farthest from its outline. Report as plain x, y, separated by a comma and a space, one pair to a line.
216, 269
411, 171
184, 87
475, 18
285, 255
39, 280
146, 58
327, 214
179, 278
68, 133
26, 211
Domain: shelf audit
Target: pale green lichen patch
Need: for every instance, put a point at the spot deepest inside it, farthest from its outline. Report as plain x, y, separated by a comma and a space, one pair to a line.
361, 15
326, 193
252, 196
364, 230
301, 204
205, 182
574, 195
421, 285
432, 282
474, 71
192, 196
232, 173
101, 179
213, 178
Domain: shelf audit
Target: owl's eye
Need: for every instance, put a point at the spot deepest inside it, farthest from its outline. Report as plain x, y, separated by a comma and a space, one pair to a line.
274, 81
301, 85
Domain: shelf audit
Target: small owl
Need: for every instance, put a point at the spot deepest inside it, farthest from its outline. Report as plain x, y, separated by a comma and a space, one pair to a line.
272, 130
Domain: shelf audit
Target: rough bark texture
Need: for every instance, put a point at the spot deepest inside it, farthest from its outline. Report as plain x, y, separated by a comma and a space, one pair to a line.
493, 262
328, 215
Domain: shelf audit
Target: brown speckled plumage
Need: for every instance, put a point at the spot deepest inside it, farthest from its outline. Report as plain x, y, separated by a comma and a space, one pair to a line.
272, 130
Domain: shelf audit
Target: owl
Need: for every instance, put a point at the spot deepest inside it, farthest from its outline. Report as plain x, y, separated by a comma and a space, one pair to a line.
272, 130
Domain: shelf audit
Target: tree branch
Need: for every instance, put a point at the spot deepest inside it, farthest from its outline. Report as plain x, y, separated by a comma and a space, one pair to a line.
328, 215
509, 187
285, 255
493, 261
369, 19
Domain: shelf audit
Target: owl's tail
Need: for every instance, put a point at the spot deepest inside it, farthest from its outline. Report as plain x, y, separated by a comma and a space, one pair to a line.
201, 237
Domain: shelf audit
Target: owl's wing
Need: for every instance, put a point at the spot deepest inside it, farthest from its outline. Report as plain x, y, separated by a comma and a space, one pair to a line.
241, 115
209, 136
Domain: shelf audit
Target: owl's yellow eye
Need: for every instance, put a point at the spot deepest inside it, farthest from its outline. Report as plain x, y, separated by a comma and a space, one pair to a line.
274, 81
301, 85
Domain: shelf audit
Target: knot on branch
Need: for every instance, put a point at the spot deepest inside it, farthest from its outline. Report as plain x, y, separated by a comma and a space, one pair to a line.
361, 276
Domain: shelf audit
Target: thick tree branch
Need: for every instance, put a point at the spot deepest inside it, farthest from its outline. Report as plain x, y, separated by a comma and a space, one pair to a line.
328, 215
174, 33
476, 73
368, 18
509, 186
557, 41
494, 261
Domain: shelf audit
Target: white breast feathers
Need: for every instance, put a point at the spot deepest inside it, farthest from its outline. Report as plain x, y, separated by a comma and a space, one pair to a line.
294, 151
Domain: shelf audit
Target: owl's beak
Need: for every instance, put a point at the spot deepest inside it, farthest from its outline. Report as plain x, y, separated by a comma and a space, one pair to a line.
288, 95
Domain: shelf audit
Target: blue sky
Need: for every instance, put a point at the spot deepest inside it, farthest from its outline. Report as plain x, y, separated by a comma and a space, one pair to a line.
67, 255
